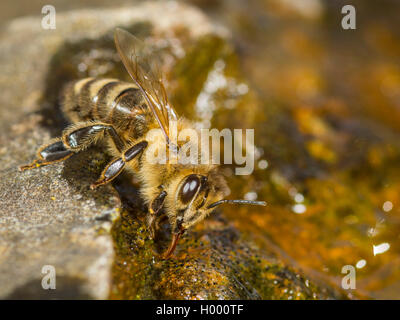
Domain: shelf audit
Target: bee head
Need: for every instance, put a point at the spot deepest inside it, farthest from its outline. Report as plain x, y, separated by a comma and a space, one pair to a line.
194, 194
196, 197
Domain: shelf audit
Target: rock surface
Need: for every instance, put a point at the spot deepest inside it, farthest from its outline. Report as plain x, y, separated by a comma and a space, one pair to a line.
49, 216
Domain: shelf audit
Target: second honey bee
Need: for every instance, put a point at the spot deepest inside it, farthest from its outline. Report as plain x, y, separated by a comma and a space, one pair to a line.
120, 115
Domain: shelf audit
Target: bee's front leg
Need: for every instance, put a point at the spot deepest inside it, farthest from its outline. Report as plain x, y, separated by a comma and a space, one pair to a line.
115, 167
154, 208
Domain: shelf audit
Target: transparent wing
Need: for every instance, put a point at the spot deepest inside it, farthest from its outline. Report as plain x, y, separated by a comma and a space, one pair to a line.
142, 65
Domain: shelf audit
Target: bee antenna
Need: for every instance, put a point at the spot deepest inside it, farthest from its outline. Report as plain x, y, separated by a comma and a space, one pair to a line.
257, 203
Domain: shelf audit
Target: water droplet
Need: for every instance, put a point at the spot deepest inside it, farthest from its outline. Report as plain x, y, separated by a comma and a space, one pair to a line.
250, 196
263, 164
387, 206
361, 264
381, 248
298, 197
299, 208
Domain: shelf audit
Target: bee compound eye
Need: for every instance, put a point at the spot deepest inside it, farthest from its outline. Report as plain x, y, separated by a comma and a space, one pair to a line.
189, 188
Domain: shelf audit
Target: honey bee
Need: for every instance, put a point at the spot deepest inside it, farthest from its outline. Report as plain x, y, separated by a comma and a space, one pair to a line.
119, 116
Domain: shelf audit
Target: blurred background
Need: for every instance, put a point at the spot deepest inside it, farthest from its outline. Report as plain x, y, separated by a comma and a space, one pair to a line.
325, 106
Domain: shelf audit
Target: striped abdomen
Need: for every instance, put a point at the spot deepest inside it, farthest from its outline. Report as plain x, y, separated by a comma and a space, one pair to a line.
107, 100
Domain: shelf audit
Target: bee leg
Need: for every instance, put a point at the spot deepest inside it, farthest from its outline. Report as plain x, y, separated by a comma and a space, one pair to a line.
74, 139
80, 136
155, 206
53, 152
115, 167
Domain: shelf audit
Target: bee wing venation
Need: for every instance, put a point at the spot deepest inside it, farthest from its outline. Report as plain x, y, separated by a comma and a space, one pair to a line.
142, 65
